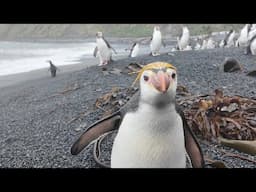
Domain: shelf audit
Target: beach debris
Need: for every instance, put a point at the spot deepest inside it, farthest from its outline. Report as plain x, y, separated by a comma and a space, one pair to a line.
231, 117
215, 163
134, 67
118, 97
182, 91
73, 87
252, 73
116, 71
241, 145
230, 65
69, 89
229, 154
115, 99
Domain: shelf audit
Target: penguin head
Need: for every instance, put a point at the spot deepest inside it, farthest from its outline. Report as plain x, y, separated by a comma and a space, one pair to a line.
157, 28
49, 61
185, 30
99, 34
158, 83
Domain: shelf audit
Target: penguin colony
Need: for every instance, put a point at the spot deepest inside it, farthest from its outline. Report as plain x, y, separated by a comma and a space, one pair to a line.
245, 38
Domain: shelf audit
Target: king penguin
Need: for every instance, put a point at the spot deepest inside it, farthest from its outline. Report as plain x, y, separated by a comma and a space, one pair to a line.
103, 49
183, 39
156, 41
152, 129
134, 50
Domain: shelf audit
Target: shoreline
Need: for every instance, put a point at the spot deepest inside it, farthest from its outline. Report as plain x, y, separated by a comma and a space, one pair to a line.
19, 78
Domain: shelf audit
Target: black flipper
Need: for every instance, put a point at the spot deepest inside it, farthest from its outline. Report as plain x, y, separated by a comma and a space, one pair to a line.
95, 130
192, 146
110, 47
95, 51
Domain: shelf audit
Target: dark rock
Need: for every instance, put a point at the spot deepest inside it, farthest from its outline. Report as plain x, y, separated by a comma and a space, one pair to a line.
230, 65
252, 73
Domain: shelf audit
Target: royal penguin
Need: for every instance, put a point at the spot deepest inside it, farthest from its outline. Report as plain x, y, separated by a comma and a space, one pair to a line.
103, 49
183, 39
156, 41
152, 128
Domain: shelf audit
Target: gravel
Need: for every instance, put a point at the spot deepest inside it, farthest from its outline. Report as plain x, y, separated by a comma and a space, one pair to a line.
37, 118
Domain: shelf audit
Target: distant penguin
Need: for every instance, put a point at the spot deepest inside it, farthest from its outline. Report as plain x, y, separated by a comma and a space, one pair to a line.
134, 50
53, 68
229, 39
197, 46
183, 39
244, 36
103, 49
156, 41
204, 44
221, 44
251, 48
210, 44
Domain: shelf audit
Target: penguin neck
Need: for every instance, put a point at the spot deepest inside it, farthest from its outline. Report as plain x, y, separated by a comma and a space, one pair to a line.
165, 116
159, 108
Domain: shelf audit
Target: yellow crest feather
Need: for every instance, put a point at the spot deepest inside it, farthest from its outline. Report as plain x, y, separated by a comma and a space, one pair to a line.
154, 65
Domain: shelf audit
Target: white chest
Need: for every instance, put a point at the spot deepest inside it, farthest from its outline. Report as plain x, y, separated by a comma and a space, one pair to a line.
156, 40
184, 40
149, 140
104, 51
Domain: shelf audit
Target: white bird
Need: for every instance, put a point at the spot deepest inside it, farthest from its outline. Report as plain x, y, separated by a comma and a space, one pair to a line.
183, 40
152, 136
103, 49
243, 39
156, 41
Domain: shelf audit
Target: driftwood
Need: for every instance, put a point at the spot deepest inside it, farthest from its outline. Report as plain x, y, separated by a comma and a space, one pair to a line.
241, 145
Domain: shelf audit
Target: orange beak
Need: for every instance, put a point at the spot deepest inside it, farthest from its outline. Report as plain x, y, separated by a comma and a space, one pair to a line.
161, 81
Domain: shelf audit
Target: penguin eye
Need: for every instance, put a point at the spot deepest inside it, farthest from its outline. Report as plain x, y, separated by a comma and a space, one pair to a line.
145, 77
173, 75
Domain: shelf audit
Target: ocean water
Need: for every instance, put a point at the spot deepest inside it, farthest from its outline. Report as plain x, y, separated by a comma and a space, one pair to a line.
18, 57
22, 56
